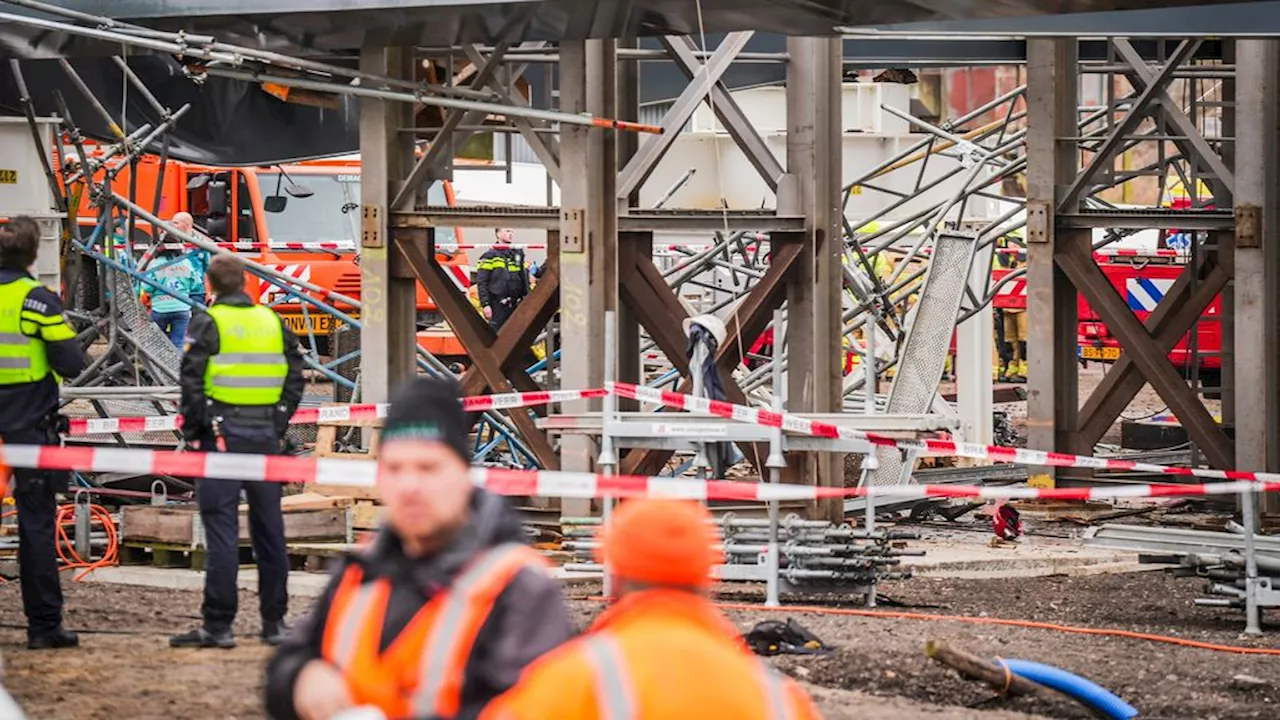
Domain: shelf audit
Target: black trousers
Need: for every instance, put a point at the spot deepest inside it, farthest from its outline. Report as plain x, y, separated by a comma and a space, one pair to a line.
219, 503
502, 311
35, 494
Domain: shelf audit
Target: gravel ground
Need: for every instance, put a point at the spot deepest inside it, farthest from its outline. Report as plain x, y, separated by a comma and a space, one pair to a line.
878, 668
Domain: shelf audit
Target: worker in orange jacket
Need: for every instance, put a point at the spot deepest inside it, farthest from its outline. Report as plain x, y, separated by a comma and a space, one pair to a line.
446, 608
662, 651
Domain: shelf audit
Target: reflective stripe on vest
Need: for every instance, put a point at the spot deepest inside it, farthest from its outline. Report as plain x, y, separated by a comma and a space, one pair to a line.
250, 367
22, 357
615, 693
448, 644
421, 672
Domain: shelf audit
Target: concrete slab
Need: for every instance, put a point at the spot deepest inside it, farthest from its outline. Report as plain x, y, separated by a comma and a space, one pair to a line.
949, 559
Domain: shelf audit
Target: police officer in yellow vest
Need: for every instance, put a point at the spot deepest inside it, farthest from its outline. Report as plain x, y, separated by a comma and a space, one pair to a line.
36, 347
241, 382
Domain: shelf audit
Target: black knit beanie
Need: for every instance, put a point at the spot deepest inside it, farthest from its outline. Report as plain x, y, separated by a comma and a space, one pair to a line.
428, 409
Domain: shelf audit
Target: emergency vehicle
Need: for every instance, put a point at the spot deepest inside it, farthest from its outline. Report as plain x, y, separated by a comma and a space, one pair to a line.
301, 219
1142, 276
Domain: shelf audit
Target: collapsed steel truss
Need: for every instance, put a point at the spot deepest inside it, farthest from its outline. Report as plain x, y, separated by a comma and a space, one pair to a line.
736, 266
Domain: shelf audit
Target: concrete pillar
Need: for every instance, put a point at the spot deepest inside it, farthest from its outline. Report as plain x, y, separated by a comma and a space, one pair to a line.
588, 234
1256, 258
1052, 103
811, 187
387, 291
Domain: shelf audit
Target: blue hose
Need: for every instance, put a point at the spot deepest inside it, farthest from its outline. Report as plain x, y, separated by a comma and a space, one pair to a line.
1095, 696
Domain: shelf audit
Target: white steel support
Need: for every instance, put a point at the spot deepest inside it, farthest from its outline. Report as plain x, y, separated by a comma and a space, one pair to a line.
387, 335
975, 339
1256, 118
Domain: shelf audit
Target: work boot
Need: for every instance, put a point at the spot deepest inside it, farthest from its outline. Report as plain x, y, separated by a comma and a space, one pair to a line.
274, 631
202, 637
54, 640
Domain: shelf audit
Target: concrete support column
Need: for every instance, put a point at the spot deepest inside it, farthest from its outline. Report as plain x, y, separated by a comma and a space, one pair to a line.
1052, 163
387, 292
1256, 258
588, 233
811, 187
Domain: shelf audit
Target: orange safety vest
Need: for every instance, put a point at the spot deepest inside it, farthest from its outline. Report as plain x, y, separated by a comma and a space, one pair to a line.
421, 672
617, 694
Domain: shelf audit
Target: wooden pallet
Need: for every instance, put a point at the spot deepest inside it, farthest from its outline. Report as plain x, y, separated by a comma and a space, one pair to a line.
179, 525
327, 436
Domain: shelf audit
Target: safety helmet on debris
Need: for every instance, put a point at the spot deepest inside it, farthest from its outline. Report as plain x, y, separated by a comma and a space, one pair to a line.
710, 323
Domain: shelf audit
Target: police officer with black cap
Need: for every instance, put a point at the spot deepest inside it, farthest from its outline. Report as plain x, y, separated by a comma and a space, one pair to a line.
241, 383
37, 348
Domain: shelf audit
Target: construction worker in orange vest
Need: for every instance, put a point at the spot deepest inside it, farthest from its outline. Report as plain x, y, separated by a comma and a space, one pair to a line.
447, 606
662, 651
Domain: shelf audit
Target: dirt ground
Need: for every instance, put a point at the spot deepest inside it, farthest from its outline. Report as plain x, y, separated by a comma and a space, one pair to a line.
1146, 404
878, 669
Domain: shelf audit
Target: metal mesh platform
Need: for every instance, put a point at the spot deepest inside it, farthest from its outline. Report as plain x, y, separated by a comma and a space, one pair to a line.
924, 355
154, 346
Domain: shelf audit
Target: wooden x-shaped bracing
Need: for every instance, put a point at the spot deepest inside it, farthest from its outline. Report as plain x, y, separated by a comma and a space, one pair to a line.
1146, 351
642, 287
498, 361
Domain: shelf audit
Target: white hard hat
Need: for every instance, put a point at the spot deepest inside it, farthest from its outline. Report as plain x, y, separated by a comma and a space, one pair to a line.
711, 323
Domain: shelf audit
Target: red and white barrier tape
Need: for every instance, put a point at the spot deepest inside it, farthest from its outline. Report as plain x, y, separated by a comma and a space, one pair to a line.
997, 453
336, 413
364, 473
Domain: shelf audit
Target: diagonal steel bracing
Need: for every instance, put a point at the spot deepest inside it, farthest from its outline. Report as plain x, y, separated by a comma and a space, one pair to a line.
450, 135
752, 316
1194, 146
479, 340
1173, 317
1137, 113
701, 83
1150, 357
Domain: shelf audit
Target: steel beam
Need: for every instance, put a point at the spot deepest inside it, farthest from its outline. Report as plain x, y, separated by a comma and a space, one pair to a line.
1257, 227
637, 220
1139, 219
702, 81
388, 299
1149, 356
588, 232
1052, 383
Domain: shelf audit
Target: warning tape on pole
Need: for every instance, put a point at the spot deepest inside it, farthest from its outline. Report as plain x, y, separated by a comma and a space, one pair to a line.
997, 453
336, 413
550, 484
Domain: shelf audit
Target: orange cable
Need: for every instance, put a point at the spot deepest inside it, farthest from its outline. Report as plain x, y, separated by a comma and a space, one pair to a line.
1032, 624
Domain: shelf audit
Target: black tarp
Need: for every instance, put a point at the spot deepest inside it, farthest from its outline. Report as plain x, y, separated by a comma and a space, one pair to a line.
230, 122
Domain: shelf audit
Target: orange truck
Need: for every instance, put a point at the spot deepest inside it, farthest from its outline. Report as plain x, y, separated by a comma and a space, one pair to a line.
301, 219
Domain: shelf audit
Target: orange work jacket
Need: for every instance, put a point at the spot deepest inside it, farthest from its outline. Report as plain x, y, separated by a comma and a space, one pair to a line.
421, 672
656, 655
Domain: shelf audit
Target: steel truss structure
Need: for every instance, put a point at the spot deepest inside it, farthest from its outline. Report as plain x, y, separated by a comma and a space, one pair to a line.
803, 253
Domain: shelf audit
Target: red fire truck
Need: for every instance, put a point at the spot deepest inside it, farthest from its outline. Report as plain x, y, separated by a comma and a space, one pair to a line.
1142, 277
